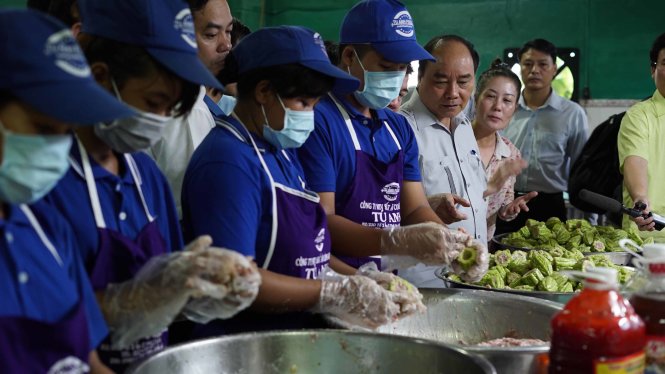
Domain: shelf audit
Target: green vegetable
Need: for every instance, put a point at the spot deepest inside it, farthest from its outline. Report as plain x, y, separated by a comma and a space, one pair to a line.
532, 277
523, 287
467, 257
547, 284
562, 263
492, 279
502, 257
512, 277
541, 262
567, 287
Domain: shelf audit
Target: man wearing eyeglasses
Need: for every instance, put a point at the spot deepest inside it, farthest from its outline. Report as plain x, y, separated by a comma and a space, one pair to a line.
550, 132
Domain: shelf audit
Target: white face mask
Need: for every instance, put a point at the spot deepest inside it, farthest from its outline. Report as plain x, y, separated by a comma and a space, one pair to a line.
132, 134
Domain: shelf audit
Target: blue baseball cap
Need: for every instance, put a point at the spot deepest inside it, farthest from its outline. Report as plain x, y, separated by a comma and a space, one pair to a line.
42, 65
271, 46
387, 26
165, 28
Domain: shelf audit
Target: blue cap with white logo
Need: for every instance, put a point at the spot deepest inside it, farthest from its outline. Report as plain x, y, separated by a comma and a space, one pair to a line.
387, 26
42, 65
165, 28
271, 46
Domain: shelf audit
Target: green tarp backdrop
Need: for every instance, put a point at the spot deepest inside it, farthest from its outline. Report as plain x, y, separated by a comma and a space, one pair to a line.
613, 36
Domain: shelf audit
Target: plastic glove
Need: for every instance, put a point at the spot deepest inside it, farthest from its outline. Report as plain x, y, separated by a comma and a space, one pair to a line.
239, 280
356, 300
147, 304
445, 206
405, 294
430, 243
479, 268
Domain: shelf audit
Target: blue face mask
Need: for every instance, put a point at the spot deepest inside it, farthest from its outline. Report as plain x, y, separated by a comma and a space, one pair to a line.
226, 104
381, 87
298, 124
31, 165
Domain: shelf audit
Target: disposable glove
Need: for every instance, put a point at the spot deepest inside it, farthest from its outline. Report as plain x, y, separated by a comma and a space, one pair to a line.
238, 281
356, 300
147, 304
407, 296
430, 243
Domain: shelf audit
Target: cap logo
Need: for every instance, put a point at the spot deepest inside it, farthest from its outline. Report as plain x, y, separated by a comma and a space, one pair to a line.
318, 41
403, 24
184, 23
67, 55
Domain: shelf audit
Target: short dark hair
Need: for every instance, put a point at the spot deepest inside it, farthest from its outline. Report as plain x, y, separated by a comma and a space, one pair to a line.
129, 61
361, 50
239, 31
6, 97
332, 50
64, 10
657, 46
288, 80
440, 39
196, 5
498, 68
540, 45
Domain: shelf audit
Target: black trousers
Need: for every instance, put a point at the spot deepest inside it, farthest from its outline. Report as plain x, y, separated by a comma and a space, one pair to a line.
541, 207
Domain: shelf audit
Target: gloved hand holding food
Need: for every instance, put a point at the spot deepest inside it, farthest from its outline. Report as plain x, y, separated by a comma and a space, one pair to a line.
431, 243
236, 285
147, 304
356, 300
472, 262
407, 296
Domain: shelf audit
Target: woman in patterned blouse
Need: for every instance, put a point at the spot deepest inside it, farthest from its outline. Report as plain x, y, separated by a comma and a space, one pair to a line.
496, 98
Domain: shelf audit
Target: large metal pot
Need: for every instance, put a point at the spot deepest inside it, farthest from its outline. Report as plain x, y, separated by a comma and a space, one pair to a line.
315, 351
466, 317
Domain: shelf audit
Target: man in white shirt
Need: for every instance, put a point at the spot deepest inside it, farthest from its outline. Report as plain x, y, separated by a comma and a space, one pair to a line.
213, 25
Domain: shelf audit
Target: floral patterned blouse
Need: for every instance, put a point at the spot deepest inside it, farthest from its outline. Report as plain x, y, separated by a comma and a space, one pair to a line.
504, 150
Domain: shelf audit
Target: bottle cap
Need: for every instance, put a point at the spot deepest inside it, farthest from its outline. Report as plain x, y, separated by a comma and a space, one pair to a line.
654, 257
596, 277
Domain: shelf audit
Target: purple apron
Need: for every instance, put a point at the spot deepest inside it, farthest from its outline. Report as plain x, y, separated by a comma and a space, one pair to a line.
118, 259
299, 247
30, 346
300, 241
373, 197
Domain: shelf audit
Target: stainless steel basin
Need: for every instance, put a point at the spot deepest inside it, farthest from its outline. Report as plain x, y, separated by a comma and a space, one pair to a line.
465, 317
315, 351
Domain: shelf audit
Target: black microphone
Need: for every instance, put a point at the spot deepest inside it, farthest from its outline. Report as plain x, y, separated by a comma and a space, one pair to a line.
613, 206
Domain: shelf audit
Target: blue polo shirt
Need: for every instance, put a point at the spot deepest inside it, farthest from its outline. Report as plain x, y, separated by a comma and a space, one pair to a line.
32, 283
328, 156
120, 202
227, 194
213, 107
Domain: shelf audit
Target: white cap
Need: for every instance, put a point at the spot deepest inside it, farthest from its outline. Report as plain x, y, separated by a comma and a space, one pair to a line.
607, 276
654, 251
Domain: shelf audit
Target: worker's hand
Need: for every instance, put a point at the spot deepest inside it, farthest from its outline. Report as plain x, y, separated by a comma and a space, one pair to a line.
508, 168
234, 284
510, 211
404, 293
479, 266
445, 206
430, 243
644, 224
357, 300
146, 304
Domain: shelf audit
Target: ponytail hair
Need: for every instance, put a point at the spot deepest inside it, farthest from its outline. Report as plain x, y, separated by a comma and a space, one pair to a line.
497, 68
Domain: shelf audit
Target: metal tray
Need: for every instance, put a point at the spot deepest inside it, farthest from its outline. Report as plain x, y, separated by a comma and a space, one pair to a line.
313, 351
618, 258
558, 297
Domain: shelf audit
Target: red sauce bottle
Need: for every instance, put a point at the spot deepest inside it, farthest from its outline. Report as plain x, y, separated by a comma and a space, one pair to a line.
649, 303
598, 331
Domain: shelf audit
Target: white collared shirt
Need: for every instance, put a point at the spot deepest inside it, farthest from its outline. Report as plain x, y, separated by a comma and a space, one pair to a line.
450, 162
